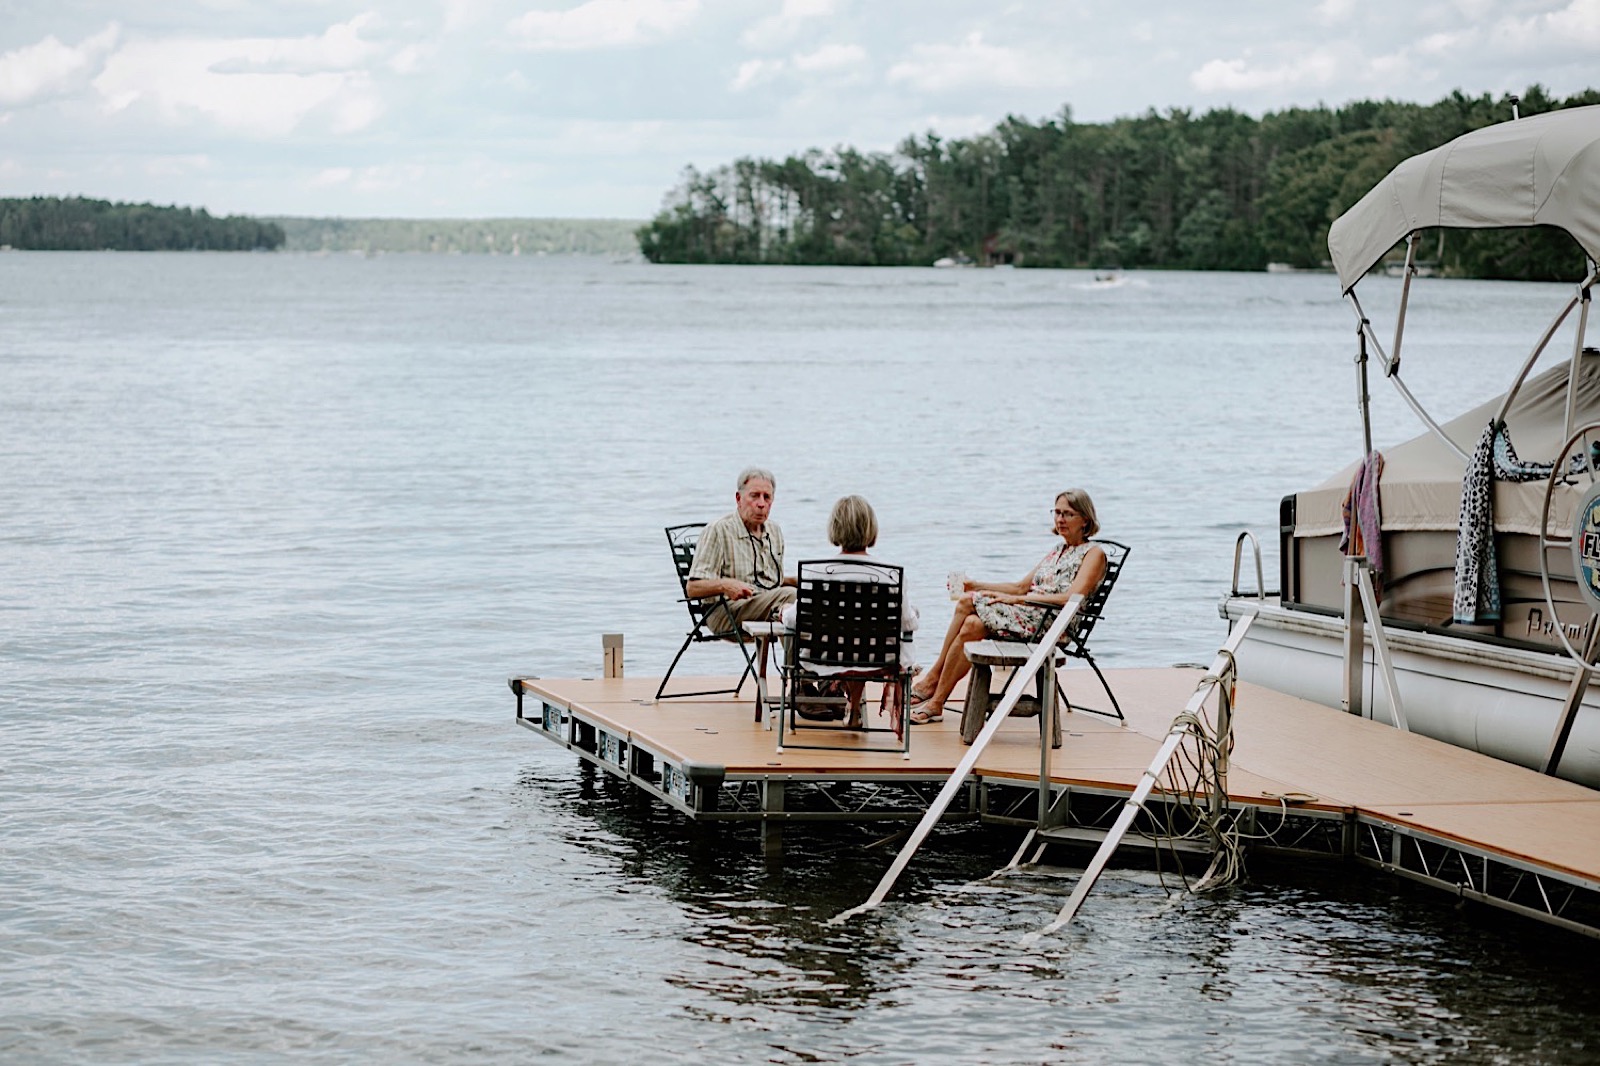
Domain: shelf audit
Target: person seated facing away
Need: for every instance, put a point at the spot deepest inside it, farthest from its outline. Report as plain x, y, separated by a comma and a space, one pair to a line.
998, 609
740, 556
853, 528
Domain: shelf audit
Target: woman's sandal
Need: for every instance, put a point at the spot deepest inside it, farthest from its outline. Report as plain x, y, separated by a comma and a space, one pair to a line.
920, 716
917, 699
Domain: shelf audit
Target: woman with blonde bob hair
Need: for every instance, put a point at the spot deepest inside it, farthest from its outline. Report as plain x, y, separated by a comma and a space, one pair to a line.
1002, 609
853, 528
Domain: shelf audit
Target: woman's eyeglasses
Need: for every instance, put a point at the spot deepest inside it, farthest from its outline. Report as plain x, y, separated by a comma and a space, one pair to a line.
1064, 514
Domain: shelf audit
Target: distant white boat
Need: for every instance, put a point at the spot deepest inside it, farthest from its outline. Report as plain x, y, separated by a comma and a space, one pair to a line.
945, 262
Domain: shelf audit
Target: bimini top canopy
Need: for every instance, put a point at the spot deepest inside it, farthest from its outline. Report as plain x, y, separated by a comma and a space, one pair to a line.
1543, 170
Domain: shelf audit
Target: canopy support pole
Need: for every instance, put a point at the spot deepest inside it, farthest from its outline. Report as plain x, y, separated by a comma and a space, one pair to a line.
1577, 355
1405, 298
1394, 376
1363, 396
1544, 340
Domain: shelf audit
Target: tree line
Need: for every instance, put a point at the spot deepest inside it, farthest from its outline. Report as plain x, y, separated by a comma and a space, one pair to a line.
1219, 190
612, 238
75, 224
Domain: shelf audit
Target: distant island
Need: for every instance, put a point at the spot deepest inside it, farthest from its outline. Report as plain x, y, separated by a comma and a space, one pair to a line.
613, 238
1220, 190
76, 224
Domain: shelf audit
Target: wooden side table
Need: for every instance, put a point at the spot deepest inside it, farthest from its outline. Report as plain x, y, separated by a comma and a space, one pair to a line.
985, 655
764, 634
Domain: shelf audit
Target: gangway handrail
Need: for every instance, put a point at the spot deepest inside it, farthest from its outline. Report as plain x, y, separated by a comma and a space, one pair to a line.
1222, 672
1043, 652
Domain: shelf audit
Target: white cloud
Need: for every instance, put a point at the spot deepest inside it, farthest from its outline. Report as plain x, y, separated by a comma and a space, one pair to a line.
975, 64
753, 72
461, 14
1313, 67
338, 48
1333, 12
1447, 43
411, 58
831, 57
331, 176
257, 86
1575, 26
49, 67
777, 31
372, 179
176, 166
602, 24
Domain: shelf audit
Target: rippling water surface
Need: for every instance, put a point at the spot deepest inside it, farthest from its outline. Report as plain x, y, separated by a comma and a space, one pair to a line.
276, 528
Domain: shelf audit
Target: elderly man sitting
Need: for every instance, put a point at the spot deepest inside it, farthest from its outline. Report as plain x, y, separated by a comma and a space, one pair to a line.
740, 556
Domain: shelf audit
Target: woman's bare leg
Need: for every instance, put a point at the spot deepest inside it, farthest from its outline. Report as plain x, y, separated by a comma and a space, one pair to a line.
956, 665
928, 683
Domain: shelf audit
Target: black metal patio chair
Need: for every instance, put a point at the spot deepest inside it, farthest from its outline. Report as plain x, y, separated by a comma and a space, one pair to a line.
1074, 644
683, 540
848, 630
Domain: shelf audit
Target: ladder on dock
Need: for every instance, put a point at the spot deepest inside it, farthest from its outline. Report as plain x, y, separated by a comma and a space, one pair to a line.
1220, 678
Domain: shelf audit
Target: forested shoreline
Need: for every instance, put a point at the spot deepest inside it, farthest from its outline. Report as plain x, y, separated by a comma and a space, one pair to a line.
612, 238
77, 224
1220, 190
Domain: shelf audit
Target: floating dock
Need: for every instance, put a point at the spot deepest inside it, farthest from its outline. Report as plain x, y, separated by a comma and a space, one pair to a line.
1302, 779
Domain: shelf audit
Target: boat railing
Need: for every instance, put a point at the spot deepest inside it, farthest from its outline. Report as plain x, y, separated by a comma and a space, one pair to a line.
1261, 582
1041, 657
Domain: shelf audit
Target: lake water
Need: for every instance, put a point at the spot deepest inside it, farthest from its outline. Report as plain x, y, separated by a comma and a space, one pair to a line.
276, 528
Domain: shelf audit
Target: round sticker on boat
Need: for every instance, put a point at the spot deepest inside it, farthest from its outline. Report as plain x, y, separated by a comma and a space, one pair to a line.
1586, 547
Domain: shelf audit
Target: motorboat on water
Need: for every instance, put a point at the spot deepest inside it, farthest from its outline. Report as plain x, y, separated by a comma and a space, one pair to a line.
1463, 605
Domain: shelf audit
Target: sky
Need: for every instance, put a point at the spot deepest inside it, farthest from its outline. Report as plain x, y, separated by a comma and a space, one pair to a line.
593, 108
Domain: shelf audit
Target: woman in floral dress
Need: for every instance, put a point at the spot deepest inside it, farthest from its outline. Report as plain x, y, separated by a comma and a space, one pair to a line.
999, 608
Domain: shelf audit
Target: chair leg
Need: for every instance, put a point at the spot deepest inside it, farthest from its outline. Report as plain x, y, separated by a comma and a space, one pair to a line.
749, 671
1116, 708
1112, 696
749, 663
668, 676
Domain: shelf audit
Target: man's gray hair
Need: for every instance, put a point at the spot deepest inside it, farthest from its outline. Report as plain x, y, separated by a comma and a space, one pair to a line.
755, 471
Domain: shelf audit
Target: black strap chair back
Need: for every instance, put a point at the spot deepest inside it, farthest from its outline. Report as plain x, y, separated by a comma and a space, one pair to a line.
683, 540
1076, 640
848, 624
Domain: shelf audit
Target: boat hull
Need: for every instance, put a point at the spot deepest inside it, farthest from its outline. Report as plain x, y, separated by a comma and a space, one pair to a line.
1500, 701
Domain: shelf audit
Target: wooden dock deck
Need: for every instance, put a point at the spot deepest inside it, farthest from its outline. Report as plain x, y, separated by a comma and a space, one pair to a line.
1304, 779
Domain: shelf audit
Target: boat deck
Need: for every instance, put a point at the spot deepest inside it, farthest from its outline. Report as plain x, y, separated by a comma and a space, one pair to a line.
1303, 777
